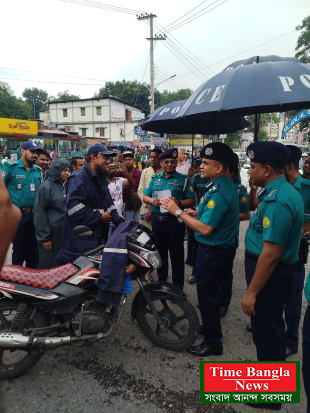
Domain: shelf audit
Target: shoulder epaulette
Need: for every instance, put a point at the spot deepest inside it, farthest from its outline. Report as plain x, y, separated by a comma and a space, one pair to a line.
9, 162
272, 196
155, 175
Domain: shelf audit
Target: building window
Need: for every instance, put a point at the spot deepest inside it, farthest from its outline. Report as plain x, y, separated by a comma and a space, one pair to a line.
65, 113
100, 131
83, 131
82, 111
98, 110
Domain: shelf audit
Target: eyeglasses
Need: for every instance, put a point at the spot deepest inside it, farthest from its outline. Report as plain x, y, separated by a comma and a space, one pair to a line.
172, 162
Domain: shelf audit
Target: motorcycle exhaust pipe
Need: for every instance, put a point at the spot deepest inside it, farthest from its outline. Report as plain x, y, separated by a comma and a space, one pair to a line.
17, 340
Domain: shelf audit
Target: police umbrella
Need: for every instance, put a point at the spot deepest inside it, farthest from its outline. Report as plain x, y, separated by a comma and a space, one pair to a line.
165, 120
251, 89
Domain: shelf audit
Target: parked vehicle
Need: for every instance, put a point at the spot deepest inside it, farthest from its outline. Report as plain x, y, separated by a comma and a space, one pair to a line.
44, 309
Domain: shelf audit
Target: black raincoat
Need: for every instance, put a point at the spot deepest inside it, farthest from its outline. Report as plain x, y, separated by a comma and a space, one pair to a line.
49, 210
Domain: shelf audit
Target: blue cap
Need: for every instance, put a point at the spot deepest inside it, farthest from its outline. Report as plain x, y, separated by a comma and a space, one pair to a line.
197, 161
217, 151
169, 153
29, 145
295, 152
99, 148
268, 151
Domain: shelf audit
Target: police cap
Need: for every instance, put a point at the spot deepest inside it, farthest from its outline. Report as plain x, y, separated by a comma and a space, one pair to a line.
295, 152
29, 145
169, 153
268, 151
197, 161
217, 151
99, 148
128, 153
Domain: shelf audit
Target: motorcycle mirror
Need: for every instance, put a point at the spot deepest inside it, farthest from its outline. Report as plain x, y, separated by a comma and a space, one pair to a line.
82, 231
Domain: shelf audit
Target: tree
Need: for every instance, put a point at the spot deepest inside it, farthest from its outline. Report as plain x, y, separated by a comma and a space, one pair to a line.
303, 42
12, 107
37, 98
132, 92
167, 97
61, 96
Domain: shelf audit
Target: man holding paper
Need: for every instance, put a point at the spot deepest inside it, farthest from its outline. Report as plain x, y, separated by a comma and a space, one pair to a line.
168, 230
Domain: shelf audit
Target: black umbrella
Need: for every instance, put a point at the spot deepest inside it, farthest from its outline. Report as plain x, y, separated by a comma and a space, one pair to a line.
251, 89
165, 120
260, 59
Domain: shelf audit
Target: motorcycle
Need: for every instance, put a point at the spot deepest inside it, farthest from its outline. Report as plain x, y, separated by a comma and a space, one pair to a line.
45, 309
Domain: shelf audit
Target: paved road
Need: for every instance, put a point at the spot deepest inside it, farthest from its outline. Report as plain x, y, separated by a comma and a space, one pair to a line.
127, 373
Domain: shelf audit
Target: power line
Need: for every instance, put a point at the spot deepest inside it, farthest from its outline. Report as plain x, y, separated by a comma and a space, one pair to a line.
97, 5
165, 28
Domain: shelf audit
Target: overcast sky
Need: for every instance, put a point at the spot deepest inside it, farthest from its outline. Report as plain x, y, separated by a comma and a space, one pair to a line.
56, 45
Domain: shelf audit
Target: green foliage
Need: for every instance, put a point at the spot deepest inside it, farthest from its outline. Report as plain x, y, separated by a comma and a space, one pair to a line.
137, 157
232, 139
65, 95
37, 98
167, 97
303, 42
262, 135
12, 107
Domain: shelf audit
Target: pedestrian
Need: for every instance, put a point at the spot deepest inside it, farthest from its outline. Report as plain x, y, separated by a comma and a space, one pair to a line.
168, 231
88, 203
293, 301
77, 162
182, 165
10, 216
272, 243
43, 162
306, 169
146, 177
49, 211
215, 231
130, 194
143, 159
306, 345
18, 152
116, 185
22, 179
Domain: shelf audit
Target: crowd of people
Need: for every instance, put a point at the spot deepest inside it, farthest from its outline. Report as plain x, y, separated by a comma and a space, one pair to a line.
201, 200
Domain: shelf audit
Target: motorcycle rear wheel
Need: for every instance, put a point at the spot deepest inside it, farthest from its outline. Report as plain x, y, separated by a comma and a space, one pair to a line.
180, 320
14, 362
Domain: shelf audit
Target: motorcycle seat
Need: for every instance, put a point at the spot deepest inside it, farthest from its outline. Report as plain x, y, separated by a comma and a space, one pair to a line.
45, 279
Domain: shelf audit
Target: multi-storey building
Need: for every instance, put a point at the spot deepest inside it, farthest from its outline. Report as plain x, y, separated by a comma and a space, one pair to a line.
108, 118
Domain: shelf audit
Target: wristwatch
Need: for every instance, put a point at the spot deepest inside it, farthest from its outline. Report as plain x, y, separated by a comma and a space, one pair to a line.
178, 212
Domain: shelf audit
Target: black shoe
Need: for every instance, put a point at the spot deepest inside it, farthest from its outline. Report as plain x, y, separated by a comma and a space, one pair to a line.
249, 328
223, 310
290, 350
271, 406
191, 279
205, 349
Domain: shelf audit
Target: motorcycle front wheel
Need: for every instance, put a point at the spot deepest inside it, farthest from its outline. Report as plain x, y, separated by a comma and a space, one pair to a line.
180, 322
16, 361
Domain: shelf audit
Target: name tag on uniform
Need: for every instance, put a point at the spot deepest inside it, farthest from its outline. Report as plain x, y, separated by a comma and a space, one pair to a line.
32, 187
20, 176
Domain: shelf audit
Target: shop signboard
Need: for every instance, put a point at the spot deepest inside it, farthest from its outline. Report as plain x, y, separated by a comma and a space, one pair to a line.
139, 131
188, 142
135, 143
18, 127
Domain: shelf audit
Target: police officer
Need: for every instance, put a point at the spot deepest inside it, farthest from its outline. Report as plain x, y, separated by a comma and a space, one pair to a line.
271, 243
168, 231
88, 203
293, 301
232, 173
215, 231
22, 179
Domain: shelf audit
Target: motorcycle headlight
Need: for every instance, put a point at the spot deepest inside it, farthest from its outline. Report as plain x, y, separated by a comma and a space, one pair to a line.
152, 257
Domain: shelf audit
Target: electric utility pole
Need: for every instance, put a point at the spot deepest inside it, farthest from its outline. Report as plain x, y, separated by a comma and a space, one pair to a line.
151, 39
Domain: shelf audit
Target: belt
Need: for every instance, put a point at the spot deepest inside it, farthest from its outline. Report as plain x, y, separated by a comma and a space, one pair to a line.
213, 247
26, 210
251, 257
163, 217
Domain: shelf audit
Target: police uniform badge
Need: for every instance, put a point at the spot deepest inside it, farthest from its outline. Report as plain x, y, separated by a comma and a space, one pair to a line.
211, 204
266, 222
209, 151
175, 153
251, 154
243, 199
19, 186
